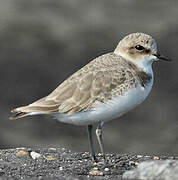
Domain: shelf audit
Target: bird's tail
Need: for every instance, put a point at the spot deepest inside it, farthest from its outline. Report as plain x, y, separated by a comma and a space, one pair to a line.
30, 110
17, 115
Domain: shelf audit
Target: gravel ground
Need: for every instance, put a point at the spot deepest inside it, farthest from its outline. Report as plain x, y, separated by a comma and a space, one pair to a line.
59, 163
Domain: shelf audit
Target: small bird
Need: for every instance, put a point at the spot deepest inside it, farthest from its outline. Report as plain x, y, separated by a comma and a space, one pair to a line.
104, 89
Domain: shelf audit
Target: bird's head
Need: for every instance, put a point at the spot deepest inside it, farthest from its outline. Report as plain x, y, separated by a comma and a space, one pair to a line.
139, 48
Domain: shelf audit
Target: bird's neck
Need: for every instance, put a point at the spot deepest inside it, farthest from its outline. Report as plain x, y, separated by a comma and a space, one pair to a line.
144, 69
145, 65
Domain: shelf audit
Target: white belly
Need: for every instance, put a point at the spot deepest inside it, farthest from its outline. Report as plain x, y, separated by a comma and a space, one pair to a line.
111, 110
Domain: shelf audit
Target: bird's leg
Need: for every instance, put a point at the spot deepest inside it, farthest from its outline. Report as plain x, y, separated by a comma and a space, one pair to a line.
100, 138
90, 138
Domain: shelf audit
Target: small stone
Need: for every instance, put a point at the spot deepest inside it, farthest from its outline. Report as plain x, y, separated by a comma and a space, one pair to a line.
22, 153
60, 168
131, 163
87, 153
53, 149
95, 173
171, 157
106, 169
21, 148
139, 156
35, 155
95, 168
99, 154
51, 158
136, 163
156, 158
97, 163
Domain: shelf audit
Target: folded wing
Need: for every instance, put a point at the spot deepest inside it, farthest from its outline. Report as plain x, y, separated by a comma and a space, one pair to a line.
94, 82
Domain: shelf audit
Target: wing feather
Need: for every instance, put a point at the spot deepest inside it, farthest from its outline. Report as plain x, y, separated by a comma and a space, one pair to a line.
94, 82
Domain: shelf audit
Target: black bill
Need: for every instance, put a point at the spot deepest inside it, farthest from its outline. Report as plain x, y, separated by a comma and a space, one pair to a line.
161, 57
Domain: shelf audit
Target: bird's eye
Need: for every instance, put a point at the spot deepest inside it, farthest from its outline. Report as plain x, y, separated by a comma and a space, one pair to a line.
140, 48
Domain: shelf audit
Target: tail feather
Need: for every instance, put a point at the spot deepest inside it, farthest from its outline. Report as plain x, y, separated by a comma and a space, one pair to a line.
18, 115
32, 110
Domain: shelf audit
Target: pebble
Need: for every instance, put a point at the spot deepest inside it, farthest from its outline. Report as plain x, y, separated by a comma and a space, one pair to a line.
106, 169
95, 173
139, 156
21, 148
131, 163
60, 168
156, 158
97, 163
88, 153
51, 158
35, 155
22, 153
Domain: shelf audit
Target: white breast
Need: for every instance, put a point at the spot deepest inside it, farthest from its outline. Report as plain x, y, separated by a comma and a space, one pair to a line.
112, 109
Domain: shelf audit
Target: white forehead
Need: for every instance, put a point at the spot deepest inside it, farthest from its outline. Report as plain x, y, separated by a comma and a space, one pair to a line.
139, 39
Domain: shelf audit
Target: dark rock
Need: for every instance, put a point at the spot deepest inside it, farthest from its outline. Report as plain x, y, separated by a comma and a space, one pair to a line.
162, 169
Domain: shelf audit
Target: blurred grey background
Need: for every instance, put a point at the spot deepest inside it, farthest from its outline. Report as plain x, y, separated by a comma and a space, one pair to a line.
43, 42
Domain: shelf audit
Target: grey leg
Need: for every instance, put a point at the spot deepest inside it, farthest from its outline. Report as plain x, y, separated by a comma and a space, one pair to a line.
90, 138
100, 138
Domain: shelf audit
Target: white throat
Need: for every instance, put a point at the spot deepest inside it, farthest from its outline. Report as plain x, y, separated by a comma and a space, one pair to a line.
145, 63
